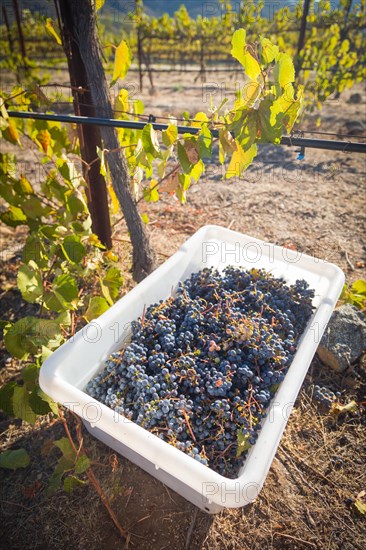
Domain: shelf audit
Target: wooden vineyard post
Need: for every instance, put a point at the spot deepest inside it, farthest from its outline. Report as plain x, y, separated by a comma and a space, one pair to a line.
202, 61
81, 21
90, 137
301, 43
8, 32
139, 45
20, 32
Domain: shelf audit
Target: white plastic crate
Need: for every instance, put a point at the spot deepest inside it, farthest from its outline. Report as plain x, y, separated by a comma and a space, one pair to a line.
66, 372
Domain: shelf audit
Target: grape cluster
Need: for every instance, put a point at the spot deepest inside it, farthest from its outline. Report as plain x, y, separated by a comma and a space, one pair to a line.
325, 397
202, 366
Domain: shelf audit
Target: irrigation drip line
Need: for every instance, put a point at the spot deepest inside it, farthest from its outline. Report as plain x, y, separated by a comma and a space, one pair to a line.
331, 145
299, 131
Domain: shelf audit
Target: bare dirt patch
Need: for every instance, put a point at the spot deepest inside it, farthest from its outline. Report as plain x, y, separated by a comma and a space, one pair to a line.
315, 206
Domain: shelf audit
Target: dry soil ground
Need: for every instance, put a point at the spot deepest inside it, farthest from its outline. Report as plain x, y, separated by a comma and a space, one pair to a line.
315, 206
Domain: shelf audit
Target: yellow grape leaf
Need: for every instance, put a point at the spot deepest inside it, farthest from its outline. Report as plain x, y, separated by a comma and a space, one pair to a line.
170, 135
198, 118
121, 103
112, 194
145, 218
99, 4
269, 50
284, 70
251, 92
11, 133
122, 61
197, 170
4, 112
51, 30
240, 52
287, 107
25, 185
227, 141
151, 194
359, 286
339, 409
360, 506
103, 167
240, 160
44, 138
111, 256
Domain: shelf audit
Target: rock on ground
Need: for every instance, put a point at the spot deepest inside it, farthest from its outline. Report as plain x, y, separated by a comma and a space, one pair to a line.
344, 339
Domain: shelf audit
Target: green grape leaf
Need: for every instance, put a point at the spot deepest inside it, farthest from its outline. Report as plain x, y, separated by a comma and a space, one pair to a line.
111, 284
73, 249
41, 403
38, 405
30, 282
82, 464
97, 306
12, 460
54, 483
205, 142
46, 352
71, 482
241, 51
29, 333
66, 449
30, 375
14, 216
240, 160
35, 249
249, 131
150, 141
183, 158
122, 61
269, 128
6, 398
33, 208
65, 287
21, 406
16, 338
75, 204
